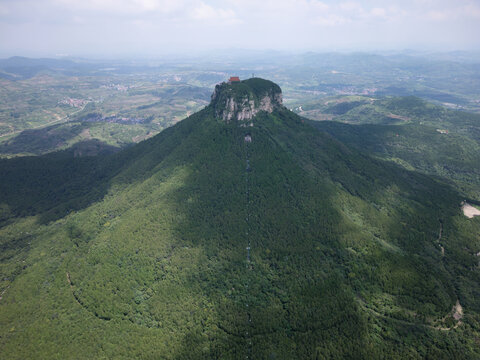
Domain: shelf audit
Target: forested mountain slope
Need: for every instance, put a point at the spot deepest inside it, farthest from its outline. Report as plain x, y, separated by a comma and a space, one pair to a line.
200, 244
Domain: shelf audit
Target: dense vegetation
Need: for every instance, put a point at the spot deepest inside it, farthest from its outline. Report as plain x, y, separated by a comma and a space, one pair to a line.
142, 254
415, 134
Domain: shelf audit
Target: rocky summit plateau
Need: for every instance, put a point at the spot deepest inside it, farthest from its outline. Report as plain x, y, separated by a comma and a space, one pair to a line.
242, 100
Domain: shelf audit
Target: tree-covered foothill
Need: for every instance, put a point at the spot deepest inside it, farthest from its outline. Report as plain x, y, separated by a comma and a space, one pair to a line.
416, 135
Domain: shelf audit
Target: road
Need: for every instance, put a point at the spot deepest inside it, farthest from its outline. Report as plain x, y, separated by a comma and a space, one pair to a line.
44, 125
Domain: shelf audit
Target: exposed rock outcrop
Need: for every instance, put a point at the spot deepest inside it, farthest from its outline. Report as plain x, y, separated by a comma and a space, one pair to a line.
241, 101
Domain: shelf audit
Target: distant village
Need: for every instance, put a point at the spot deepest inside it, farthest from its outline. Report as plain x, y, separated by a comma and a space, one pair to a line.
118, 87
351, 90
75, 102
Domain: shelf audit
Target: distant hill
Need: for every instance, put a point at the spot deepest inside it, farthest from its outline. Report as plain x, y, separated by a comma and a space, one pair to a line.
413, 133
19, 61
17, 67
257, 237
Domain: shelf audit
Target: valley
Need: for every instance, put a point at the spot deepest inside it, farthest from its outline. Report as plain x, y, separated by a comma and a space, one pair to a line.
57, 99
58, 108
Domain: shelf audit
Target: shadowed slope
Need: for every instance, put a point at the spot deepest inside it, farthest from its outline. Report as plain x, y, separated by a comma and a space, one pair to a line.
344, 255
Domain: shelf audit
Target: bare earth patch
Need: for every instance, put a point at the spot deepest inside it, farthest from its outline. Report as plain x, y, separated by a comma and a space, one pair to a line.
86, 134
457, 311
470, 211
456, 314
398, 117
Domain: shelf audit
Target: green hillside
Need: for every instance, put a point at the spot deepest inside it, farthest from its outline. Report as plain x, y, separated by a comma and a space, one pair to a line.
196, 244
414, 134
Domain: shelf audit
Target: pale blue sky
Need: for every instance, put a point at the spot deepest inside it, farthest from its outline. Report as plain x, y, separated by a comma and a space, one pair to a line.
155, 27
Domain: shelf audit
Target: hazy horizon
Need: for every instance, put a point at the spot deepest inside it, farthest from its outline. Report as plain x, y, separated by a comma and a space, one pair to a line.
152, 28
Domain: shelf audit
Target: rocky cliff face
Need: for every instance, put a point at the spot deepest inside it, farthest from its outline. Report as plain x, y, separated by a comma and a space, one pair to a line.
243, 100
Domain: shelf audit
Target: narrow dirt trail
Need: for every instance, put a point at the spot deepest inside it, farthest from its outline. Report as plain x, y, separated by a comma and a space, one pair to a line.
457, 314
440, 238
248, 245
3, 292
79, 302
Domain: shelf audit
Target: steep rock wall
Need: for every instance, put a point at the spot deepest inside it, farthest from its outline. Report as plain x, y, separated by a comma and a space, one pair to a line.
243, 100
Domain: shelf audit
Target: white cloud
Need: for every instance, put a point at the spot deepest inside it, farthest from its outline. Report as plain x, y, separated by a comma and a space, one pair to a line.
350, 6
107, 24
149, 5
207, 12
123, 6
461, 12
437, 15
331, 20
318, 5
378, 12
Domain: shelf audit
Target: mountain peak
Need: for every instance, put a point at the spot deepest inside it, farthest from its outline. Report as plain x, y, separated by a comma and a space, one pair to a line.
242, 100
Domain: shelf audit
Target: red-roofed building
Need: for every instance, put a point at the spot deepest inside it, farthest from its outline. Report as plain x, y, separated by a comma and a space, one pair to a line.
234, 79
